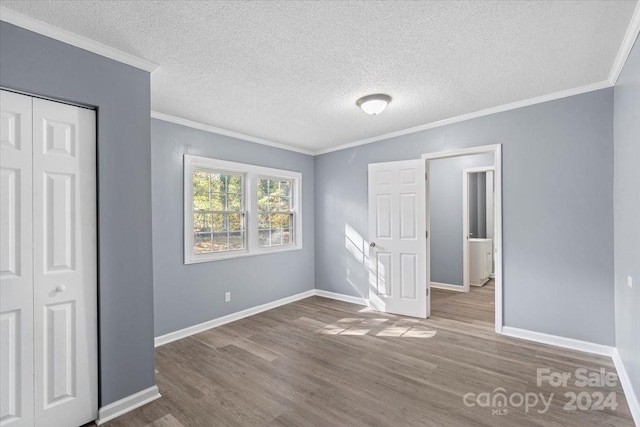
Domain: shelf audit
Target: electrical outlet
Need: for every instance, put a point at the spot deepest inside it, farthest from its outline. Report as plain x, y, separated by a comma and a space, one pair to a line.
630, 281
227, 296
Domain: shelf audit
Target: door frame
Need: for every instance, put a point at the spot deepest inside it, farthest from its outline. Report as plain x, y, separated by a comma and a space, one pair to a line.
496, 149
465, 220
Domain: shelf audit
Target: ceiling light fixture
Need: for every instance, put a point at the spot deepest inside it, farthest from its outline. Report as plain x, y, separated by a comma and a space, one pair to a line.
374, 104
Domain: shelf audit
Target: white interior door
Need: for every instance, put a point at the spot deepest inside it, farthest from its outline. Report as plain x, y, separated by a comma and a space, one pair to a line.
16, 262
48, 277
397, 230
65, 261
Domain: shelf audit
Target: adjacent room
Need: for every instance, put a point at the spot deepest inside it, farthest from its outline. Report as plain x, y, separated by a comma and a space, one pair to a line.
319, 213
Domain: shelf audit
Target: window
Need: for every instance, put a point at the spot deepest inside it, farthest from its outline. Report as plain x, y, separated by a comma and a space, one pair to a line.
218, 212
275, 212
234, 209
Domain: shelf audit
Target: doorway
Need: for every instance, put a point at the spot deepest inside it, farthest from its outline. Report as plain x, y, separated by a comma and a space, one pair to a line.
400, 233
478, 222
496, 244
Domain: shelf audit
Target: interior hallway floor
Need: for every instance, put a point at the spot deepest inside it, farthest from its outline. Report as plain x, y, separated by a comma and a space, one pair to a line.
320, 362
476, 306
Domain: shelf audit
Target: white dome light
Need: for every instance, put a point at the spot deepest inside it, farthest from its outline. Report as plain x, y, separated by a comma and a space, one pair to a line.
374, 104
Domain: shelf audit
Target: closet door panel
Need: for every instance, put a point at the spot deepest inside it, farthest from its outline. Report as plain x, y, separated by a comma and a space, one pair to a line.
65, 264
16, 269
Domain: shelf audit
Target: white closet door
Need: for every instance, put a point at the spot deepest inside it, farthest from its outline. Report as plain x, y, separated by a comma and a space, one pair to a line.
65, 264
16, 269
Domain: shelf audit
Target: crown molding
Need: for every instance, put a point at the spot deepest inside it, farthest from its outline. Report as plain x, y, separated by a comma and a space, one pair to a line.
73, 39
493, 110
226, 132
452, 120
627, 44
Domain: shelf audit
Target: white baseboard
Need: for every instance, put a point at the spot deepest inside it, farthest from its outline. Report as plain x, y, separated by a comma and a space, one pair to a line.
481, 284
629, 393
341, 297
129, 403
447, 286
191, 330
570, 343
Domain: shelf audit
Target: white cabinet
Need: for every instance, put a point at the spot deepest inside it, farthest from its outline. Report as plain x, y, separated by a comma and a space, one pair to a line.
480, 261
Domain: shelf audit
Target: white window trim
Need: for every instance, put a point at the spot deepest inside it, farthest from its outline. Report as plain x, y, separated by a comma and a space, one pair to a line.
252, 173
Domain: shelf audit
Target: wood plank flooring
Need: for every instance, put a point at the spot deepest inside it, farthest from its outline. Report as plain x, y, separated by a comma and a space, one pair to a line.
320, 362
476, 306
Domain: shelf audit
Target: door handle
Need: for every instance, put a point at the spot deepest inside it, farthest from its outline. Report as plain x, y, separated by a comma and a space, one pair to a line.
372, 244
61, 288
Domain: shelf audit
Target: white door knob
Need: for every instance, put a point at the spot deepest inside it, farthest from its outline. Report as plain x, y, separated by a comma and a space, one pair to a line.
61, 288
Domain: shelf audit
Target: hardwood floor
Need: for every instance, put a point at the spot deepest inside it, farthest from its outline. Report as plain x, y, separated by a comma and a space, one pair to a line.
320, 362
476, 306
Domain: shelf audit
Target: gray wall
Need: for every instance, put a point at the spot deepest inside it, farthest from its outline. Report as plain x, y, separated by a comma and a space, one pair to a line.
478, 205
473, 205
39, 65
481, 207
445, 186
186, 295
557, 209
626, 196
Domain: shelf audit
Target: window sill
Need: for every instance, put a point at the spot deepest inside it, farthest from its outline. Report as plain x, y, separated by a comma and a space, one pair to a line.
241, 254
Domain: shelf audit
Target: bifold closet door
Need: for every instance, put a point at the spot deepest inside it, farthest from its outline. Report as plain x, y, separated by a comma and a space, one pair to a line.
16, 262
48, 354
65, 264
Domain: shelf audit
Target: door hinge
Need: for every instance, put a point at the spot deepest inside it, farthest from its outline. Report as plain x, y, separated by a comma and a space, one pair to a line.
426, 176
426, 234
427, 291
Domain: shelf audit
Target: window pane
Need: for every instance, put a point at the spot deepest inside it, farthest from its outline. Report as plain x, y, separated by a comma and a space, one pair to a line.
284, 203
276, 237
218, 222
218, 192
236, 240
263, 238
263, 203
280, 221
285, 187
200, 181
274, 195
202, 243
235, 184
280, 204
217, 182
201, 201
263, 187
220, 242
218, 201
263, 195
286, 221
287, 237
263, 221
201, 223
234, 222
274, 203
234, 202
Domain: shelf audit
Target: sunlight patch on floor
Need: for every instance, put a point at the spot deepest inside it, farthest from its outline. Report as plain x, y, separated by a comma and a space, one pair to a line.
379, 327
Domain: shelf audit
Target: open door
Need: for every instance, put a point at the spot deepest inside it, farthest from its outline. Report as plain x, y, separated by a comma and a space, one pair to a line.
397, 230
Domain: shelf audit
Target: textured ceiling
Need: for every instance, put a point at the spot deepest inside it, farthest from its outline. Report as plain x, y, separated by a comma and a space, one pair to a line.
291, 72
